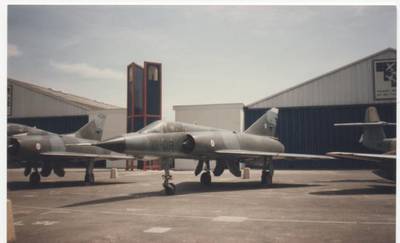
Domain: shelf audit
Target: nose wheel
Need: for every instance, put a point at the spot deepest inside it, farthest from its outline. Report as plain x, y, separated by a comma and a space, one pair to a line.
169, 187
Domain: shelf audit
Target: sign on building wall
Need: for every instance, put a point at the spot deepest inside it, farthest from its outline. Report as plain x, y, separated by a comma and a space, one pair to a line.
384, 75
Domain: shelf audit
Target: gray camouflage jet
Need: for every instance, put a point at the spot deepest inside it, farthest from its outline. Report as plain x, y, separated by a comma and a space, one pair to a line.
169, 140
374, 138
34, 148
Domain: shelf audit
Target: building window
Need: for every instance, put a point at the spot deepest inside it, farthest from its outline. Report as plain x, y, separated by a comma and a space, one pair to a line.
153, 73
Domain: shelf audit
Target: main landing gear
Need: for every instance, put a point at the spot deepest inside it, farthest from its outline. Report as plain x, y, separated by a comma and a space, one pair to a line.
89, 176
267, 173
169, 187
205, 178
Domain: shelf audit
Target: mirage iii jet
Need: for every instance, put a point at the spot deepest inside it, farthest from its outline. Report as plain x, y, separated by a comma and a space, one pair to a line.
34, 148
373, 138
169, 140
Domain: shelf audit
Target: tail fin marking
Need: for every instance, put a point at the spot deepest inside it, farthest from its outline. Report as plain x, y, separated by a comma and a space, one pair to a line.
92, 130
266, 124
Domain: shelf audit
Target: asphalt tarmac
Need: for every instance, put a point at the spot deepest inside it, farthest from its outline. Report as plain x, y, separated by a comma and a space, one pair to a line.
301, 206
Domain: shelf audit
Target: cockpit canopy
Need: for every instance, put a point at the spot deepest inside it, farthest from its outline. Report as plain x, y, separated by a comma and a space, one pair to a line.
168, 127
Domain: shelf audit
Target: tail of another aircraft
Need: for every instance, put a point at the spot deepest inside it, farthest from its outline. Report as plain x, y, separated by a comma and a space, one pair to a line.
266, 124
92, 130
373, 132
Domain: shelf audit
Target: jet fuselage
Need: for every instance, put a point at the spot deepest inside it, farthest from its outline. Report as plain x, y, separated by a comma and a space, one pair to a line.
190, 145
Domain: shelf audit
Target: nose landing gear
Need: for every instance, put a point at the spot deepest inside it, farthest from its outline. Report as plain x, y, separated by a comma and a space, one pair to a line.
169, 188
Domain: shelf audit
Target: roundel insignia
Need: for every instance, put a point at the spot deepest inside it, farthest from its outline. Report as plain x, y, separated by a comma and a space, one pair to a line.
212, 143
38, 146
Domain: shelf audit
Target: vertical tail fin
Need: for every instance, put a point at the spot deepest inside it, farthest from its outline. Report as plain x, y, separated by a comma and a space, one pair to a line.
92, 130
266, 124
372, 134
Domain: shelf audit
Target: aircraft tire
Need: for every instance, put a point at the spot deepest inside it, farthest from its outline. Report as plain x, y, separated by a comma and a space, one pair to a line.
89, 179
205, 178
34, 178
266, 178
169, 189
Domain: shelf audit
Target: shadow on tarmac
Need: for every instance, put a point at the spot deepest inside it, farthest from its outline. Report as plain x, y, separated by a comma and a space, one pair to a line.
25, 185
372, 190
193, 188
360, 181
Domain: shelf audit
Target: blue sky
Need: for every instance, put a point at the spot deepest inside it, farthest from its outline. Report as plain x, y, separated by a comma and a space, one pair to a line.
210, 54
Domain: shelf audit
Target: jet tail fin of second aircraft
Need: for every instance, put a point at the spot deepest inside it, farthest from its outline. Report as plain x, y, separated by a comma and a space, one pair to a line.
373, 132
92, 130
266, 124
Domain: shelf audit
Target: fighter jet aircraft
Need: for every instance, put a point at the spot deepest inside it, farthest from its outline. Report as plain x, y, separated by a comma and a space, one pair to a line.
169, 140
374, 138
35, 148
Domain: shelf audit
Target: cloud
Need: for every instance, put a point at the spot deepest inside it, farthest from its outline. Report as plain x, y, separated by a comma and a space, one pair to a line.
13, 51
87, 71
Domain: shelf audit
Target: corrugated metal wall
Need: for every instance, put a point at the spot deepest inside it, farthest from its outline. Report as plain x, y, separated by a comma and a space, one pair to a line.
310, 130
27, 103
351, 84
64, 124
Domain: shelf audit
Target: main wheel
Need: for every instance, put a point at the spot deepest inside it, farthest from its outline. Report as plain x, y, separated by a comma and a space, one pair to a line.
89, 178
205, 178
169, 189
34, 178
266, 178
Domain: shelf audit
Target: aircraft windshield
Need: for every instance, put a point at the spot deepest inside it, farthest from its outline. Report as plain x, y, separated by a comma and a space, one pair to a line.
155, 127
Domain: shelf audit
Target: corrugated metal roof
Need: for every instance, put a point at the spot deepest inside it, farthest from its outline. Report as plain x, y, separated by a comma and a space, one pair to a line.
81, 102
337, 87
207, 106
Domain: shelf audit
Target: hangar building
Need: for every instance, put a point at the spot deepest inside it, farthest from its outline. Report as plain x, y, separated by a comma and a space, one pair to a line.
309, 110
59, 112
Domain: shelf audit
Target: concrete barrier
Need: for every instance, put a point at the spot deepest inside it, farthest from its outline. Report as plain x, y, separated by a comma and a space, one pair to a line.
246, 173
114, 173
10, 223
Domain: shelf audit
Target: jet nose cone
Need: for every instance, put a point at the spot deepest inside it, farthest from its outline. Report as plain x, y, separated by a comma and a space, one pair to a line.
114, 144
